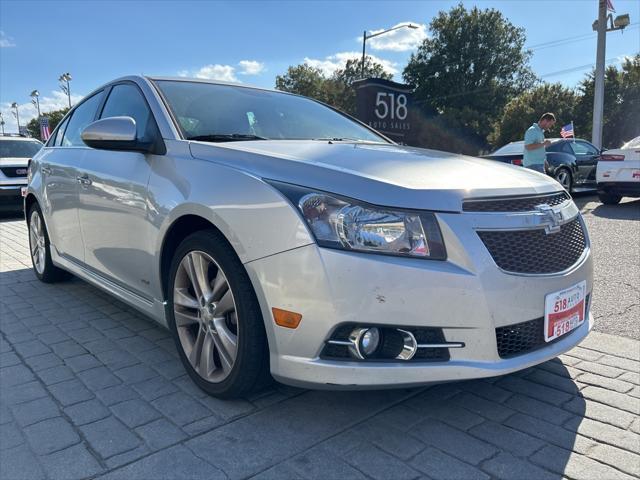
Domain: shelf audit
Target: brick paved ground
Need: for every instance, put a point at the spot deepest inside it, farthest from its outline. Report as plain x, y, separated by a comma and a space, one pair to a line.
89, 388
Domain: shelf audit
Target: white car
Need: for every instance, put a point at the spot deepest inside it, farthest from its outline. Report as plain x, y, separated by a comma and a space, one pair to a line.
618, 173
15, 153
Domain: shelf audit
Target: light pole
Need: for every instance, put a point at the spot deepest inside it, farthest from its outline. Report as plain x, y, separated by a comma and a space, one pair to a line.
16, 114
600, 25
2, 123
366, 37
64, 80
36, 101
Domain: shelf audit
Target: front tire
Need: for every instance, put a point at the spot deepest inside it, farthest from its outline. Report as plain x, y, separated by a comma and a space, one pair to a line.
215, 318
609, 199
563, 177
40, 249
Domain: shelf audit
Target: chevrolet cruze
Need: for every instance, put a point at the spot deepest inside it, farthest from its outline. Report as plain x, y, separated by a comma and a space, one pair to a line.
274, 235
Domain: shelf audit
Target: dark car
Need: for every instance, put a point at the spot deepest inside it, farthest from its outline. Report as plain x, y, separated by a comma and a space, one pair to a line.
571, 162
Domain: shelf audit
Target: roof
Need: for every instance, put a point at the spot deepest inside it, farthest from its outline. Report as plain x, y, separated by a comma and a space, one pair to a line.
20, 138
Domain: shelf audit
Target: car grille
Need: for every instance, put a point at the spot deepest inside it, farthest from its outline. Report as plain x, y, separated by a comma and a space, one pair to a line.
534, 251
514, 204
14, 172
525, 337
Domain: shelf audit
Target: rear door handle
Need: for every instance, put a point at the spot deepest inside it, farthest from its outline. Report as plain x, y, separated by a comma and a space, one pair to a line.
46, 170
84, 179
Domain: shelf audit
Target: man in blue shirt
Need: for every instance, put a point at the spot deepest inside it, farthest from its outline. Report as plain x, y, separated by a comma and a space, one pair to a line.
534, 143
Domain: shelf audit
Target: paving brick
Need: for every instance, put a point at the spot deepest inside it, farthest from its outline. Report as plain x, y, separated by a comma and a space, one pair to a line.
543, 430
118, 333
75, 462
87, 412
613, 345
440, 466
22, 393
154, 356
181, 408
379, 465
11, 436
158, 464
82, 362
622, 363
98, 378
534, 390
19, 463
600, 412
538, 409
614, 399
84, 335
70, 392
116, 359
488, 409
135, 374
390, 439
51, 435
101, 345
319, 463
35, 411
507, 467
605, 382
109, 437
8, 359
134, 413
452, 441
227, 409
584, 354
116, 394
621, 459
53, 336
160, 434
573, 465
203, 425
557, 382
42, 362
508, 439
135, 344
609, 434
279, 472
67, 349
455, 416
129, 456
170, 370
54, 375
14, 375
154, 388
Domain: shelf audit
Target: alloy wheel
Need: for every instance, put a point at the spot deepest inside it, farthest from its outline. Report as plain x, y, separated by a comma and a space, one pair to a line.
564, 178
37, 242
205, 316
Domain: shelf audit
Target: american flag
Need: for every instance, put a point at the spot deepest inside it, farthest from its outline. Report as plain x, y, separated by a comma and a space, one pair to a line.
45, 133
610, 7
567, 131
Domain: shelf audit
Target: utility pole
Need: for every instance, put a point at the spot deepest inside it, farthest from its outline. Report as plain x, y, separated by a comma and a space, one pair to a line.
598, 94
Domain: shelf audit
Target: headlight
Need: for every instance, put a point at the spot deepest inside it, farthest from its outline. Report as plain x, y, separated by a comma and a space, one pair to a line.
339, 222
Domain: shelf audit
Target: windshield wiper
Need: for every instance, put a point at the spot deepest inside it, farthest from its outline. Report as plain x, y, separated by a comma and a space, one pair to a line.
338, 139
226, 137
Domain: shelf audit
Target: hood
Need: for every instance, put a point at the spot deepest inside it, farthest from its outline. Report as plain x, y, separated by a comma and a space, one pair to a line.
382, 174
14, 161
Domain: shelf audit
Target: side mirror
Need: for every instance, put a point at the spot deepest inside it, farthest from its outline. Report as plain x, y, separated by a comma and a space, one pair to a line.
113, 133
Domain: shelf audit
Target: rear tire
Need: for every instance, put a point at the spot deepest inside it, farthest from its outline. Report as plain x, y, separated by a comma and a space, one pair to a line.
563, 177
215, 318
40, 249
609, 199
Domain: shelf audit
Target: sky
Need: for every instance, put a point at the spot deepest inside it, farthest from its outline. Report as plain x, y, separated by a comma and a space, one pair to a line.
252, 42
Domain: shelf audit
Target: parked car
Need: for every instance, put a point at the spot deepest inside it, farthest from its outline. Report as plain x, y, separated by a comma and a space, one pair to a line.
15, 153
618, 173
571, 162
271, 233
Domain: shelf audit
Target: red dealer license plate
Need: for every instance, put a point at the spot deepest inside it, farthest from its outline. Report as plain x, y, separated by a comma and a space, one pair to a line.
564, 311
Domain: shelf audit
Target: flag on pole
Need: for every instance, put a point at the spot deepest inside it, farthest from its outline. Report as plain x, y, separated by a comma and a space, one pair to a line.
45, 133
610, 7
567, 131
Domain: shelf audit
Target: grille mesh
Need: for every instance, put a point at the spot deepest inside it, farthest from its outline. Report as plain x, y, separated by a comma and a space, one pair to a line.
519, 204
521, 338
12, 172
535, 252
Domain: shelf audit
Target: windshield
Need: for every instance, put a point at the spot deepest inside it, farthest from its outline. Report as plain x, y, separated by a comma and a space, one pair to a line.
513, 148
635, 143
212, 112
19, 148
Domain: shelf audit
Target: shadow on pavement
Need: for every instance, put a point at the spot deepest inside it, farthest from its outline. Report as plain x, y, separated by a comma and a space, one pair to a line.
522, 425
11, 216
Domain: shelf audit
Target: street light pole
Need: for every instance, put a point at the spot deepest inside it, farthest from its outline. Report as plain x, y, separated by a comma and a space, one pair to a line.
64, 80
2, 123
14, 105
598, 97
35, 99
366, 37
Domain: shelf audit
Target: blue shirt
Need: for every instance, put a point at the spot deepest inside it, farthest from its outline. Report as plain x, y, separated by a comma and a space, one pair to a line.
534, 134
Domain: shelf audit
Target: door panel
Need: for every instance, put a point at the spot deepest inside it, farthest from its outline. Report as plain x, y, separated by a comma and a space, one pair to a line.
586, 160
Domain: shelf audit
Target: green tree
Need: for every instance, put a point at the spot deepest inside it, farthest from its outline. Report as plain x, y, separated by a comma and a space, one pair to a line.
621, 104
33, 127
526, 108
471, 65
336, 90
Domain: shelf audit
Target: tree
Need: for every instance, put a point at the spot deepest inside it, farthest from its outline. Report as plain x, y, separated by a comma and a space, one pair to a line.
526, 108
621, 104
471, 65
336, 90
33, 127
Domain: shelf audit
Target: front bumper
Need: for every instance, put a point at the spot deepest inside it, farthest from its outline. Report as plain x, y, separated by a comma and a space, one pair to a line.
11, 197
467, 296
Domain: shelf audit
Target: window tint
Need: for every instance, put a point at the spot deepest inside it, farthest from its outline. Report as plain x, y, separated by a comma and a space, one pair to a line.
82, 116
57, 141
126, 100
19, 148
583, 148
513, 148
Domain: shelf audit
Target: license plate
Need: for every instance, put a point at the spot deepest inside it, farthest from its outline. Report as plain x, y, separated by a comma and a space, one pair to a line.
564, 311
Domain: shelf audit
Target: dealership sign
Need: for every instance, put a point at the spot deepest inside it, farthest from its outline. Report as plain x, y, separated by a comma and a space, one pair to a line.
385, 106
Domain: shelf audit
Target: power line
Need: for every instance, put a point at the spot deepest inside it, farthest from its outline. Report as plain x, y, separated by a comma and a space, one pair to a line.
568, 40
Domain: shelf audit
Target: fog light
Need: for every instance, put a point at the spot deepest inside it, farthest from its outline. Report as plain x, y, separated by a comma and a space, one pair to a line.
364, 342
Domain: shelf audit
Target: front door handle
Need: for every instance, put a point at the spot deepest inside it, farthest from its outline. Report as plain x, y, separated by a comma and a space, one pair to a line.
84, 179
46, 169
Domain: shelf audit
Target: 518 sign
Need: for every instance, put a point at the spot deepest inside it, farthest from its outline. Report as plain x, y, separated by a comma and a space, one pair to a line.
391, 106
